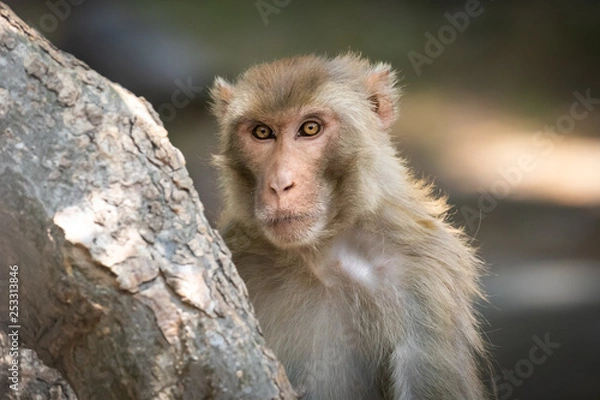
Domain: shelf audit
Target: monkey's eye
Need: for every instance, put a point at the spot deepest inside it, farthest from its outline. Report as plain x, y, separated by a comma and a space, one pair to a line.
262, 132
310, 128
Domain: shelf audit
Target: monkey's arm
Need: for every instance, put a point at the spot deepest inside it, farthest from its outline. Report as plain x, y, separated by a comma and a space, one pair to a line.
424, 367
437, 356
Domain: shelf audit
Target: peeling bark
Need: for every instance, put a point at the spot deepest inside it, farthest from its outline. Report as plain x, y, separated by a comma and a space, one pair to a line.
123, 285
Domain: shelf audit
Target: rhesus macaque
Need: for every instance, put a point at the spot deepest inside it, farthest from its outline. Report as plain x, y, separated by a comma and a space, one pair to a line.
361, 288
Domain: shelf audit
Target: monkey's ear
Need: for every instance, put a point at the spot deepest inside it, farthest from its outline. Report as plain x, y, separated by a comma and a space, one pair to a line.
383, 93
222, 94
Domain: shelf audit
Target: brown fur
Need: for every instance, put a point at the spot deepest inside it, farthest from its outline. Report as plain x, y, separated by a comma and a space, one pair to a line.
377, 301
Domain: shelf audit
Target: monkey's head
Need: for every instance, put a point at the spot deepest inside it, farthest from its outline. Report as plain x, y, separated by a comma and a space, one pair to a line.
300, 142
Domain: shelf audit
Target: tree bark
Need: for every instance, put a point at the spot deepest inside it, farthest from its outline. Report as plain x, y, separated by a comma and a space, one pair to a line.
122, 285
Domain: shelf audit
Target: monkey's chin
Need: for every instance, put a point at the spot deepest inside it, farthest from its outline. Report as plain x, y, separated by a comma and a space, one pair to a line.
293, 230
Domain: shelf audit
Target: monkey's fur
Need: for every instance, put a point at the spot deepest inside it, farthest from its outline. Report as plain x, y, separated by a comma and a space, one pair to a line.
376, 299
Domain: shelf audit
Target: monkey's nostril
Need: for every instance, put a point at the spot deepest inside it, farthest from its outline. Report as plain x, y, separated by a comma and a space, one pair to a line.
279, 189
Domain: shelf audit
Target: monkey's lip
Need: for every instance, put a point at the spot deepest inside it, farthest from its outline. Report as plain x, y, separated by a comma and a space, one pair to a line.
286, 229
289, 227
287, 218
289, 224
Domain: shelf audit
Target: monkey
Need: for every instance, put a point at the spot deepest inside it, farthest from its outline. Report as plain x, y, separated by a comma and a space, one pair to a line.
361, 286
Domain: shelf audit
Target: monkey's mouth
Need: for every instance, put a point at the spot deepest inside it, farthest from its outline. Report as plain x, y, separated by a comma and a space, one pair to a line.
286, 218
289, 228
286, 223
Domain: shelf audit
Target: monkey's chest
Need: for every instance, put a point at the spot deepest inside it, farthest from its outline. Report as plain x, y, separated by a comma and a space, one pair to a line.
327, 338
324, 318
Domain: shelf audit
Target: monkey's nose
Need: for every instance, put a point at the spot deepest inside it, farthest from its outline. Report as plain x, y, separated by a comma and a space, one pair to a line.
279, 187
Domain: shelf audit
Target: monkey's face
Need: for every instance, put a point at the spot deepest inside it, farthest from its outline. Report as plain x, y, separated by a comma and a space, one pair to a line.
287, 156
300, 143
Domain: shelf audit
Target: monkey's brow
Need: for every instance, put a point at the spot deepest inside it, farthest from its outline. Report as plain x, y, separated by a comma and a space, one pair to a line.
245, 121
314, 114
304, 114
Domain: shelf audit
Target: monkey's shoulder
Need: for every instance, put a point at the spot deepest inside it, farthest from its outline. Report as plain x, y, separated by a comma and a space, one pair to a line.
359, 265
360, 257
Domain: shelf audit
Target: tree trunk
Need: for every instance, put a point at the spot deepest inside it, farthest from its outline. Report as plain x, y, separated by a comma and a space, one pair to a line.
114, 275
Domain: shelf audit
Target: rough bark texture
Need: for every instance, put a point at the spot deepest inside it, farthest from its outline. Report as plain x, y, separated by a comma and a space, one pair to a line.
123, 286
37, 381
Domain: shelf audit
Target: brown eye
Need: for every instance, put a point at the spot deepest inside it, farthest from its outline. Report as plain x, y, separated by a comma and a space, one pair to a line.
262, 132
310, 128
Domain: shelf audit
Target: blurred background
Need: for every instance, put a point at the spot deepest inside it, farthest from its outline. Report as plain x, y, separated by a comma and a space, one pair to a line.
501, 110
